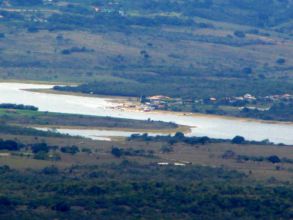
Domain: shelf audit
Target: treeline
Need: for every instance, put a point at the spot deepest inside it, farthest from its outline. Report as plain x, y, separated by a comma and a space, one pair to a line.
76, 50
119, 152
39, 151
132, 191
113, 20
261, 13
175, 85
279, 111
20, 107
179, 137
10, 145
15, 130
272, 159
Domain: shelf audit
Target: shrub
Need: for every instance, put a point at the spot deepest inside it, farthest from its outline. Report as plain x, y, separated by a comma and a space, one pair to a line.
70, 150
280, 61
238, 140
239, 34
41, 155
274, 159
61, 207
41, 147
167, 149
50, 170
9, 145
117, 152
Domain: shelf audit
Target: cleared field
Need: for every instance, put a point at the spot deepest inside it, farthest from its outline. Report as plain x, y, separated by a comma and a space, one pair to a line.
211, 155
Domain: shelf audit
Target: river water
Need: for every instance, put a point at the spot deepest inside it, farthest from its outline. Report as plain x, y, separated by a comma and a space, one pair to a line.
203, 125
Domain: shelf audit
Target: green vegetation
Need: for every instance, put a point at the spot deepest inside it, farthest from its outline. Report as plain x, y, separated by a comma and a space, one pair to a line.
119, 152
20, 107
17, 130
77, 178
273, 107
180, 138
133, 191
35, 118
190, 50
177, 86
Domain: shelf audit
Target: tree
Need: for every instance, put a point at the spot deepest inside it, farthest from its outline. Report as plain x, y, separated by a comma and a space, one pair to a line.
42, 147
274, 159
239, 34
70, 150
247, 70
62, 207
41, 155
9, 145
117, 152
50, 170
179, 135
167, 149
238, 140
281, 61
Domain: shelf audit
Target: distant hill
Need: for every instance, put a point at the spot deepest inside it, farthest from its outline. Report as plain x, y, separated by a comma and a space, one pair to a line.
189, 48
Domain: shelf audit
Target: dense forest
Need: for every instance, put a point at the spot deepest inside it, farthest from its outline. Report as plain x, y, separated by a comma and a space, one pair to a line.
134, 191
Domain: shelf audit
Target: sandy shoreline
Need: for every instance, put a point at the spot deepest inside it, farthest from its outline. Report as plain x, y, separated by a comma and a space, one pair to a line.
131, 101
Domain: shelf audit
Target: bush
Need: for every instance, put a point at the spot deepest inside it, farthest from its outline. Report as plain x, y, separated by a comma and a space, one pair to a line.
239, 34
281, 61
9, 145
274, 159
5, 202
247, 70
167, 149
117, 152
42, 147
41, 155
61, 207
50, 170
238, 140
70, 150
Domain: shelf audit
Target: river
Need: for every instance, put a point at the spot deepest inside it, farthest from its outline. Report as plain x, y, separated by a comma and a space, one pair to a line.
202, 125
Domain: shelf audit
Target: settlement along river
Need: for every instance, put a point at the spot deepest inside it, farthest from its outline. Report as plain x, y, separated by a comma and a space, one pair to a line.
202, 125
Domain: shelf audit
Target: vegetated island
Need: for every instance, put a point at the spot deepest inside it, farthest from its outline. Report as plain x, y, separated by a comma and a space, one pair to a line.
30, 116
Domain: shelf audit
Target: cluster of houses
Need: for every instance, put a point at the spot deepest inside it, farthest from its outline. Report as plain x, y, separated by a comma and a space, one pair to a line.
155, 102
161, 102
285, 97
248, 98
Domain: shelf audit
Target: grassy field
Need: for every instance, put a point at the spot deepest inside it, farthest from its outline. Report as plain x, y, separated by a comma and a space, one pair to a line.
210, 155
58, 120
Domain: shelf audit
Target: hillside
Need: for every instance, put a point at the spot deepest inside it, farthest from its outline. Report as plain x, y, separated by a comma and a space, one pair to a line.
189, 49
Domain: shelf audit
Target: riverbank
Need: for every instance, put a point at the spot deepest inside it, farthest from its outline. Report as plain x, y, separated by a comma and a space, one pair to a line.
183, 129
200, 125
35, 82
70, 121
127, 102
